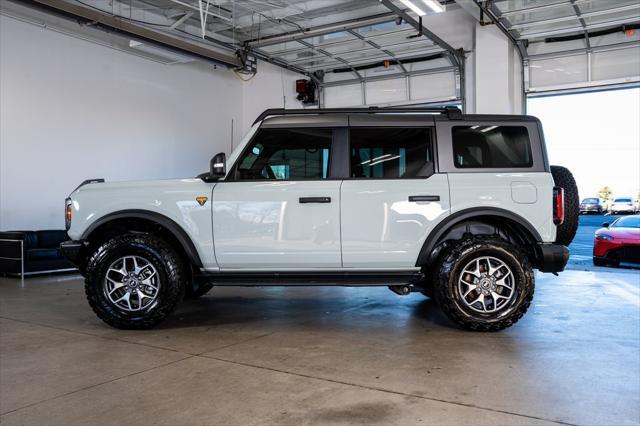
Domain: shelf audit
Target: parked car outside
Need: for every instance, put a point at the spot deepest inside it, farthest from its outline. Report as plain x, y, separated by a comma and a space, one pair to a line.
591, 205
617, 242
622, 205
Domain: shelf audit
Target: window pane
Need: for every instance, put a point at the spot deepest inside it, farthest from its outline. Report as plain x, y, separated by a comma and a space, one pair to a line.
287, 154
491, 146
391, 153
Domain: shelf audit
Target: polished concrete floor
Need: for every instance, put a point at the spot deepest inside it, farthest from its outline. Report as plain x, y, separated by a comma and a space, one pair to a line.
294, 356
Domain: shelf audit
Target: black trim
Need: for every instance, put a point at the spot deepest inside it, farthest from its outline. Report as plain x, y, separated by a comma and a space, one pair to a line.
451, 112
87, 182
308, 200
71, 249
309, 278
553, 257
158, 218
443, 227
418, 198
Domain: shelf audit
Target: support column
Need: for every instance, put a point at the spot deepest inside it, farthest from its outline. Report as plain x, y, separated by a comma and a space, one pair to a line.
498, 73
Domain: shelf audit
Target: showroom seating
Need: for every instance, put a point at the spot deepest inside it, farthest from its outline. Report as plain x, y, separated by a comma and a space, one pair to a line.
30, 252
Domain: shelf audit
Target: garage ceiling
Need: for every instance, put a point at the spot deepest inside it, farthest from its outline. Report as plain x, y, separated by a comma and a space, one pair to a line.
325, 35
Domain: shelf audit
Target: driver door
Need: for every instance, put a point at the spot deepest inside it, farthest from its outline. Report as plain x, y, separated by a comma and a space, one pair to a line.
279, 209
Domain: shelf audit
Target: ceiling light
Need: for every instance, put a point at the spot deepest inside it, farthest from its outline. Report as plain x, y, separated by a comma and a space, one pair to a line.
413, 7
434, 5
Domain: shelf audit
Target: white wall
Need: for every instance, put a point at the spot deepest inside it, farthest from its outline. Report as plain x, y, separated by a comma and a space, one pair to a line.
272, 87
72, 110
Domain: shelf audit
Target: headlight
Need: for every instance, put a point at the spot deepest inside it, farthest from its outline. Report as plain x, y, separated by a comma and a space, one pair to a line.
604, 237
67, 213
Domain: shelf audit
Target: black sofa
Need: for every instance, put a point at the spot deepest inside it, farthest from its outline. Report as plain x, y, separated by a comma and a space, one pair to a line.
38, 251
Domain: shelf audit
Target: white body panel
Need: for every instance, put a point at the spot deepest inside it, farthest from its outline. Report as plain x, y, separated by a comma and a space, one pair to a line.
381, 228
263, 225
175, 199
529, 195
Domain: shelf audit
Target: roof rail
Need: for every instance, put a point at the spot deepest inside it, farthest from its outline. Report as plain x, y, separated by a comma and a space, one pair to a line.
452, 112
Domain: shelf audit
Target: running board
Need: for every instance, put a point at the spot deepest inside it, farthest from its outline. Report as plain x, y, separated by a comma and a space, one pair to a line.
315, 278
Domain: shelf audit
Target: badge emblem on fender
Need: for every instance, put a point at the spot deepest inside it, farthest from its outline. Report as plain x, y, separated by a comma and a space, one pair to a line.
201, 200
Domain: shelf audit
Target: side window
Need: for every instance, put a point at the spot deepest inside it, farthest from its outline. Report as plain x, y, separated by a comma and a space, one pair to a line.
391, 153
287, 154
486, 146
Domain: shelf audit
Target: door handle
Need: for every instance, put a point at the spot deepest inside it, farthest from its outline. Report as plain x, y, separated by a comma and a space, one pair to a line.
306, 200
417, 198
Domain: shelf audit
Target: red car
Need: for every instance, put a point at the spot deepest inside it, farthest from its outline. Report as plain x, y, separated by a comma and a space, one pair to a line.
617, 242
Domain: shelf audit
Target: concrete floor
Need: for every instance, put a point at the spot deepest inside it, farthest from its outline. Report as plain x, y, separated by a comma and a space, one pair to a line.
323, 356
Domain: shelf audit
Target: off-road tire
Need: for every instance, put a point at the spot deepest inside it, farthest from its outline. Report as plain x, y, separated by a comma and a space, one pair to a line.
451, 266
563, 178
198, 290
157, 252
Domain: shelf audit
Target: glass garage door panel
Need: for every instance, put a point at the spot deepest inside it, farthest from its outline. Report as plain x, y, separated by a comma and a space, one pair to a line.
612, 64
558, 71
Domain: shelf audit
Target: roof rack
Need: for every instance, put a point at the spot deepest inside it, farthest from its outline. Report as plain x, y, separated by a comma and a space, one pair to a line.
452, 112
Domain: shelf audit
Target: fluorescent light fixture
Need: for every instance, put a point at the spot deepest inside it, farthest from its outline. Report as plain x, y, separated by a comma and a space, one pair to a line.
488, 129
434, 5
413, 7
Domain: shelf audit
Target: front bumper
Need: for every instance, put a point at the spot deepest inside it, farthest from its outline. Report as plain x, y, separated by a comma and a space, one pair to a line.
553, 257
71, 250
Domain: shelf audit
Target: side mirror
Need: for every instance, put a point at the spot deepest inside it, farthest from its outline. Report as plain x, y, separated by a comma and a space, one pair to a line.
218, 166
605, 225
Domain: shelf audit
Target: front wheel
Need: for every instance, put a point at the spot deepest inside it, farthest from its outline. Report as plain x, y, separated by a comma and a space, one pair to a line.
484, 284
134, 281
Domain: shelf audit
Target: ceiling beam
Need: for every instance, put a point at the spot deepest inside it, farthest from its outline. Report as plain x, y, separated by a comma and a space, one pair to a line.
137, 31
456, 57
320, 30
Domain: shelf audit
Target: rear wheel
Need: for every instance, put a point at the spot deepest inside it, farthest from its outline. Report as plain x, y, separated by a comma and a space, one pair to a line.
134, 281
484, 284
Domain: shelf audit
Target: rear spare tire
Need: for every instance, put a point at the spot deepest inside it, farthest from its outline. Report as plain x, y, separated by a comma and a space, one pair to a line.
564, 179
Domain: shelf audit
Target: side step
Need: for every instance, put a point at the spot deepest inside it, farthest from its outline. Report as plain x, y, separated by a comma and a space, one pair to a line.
315, 278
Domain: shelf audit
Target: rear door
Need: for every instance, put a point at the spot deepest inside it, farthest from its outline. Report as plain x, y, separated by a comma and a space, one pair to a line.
498, 164
279, 208
393, 195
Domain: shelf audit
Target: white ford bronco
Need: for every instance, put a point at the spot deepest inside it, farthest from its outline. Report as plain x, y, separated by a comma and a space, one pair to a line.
458, 207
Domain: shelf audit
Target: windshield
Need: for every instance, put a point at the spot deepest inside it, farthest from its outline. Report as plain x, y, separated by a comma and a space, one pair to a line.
590, 201
627, 222
622, 200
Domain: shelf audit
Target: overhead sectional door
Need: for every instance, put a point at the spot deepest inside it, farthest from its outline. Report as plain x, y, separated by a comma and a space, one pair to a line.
386, 87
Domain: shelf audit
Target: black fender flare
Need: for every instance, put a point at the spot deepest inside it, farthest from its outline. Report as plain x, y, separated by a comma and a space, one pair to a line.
162, 220
449, 222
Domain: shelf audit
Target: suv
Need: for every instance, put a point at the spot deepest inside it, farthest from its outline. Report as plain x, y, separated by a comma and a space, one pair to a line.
458, 207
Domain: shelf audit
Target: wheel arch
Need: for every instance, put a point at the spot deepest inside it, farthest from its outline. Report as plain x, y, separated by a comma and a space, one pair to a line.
505, 221
146, 220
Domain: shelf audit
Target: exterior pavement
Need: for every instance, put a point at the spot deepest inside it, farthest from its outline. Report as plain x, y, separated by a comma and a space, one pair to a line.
242, 356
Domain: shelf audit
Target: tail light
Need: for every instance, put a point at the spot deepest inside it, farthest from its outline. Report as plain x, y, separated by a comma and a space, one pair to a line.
558, 205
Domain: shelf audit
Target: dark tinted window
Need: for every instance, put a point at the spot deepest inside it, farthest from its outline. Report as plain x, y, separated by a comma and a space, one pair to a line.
287, 154
590, 201
391, 153
627, 222
485, 146
622, 200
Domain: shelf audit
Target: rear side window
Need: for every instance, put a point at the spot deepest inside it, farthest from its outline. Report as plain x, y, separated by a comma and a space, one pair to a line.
391, 153
486, 146
287, 154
